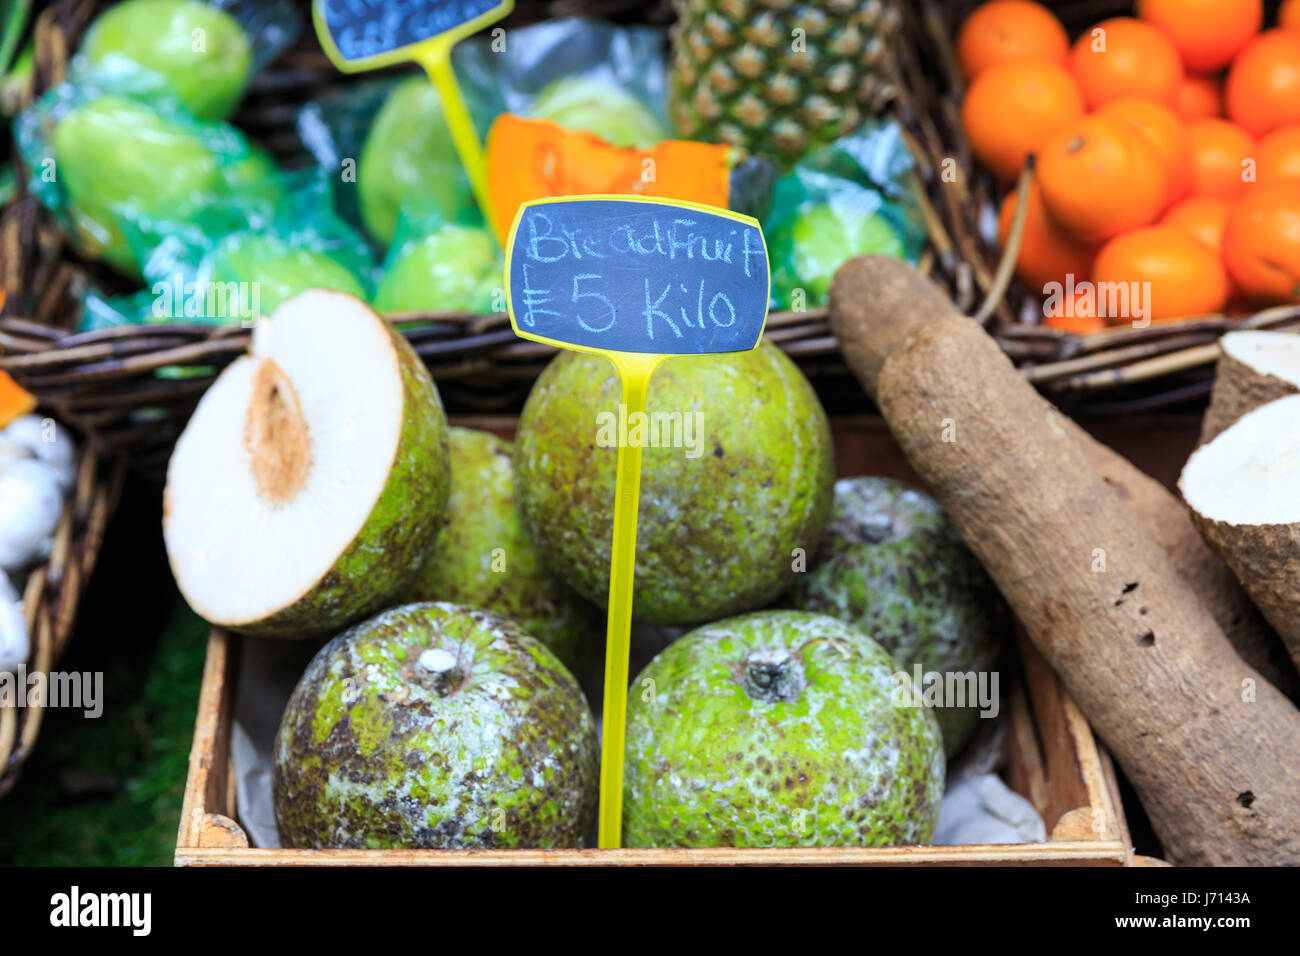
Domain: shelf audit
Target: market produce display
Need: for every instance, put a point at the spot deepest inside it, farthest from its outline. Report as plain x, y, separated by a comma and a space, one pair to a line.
892, 565
433, 725
737, 478
293, 506
451, 583
778, 729
1164, 148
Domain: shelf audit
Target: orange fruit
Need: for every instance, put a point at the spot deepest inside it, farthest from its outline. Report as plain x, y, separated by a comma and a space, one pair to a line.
1078, 315
1166, 132
1198, 97
1201, 217
1013, 107
1289, 15
1218, 150
1261, 243
1263, 87
1047, 253
1100, 177
1010, 30
1185, 278
1278, 155
1206, 33
1125, 57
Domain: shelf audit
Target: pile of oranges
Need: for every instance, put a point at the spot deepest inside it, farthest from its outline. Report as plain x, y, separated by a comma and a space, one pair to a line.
1166, 149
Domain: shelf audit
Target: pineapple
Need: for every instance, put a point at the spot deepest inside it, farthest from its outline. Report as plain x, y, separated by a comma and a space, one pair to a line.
779, 77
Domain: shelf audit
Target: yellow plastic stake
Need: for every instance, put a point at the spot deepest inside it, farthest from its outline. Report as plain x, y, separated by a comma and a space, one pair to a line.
435, 57
556, 322
634, 369
386, 47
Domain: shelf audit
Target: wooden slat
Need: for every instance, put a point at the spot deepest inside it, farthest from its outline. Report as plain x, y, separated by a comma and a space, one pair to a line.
1030, 854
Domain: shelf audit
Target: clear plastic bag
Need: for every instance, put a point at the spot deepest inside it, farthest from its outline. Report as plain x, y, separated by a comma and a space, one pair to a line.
598, 76
105, 163
857, 196
237, 262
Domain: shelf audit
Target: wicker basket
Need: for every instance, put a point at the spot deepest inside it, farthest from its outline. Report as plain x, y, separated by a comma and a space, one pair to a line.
105, 382
52, 594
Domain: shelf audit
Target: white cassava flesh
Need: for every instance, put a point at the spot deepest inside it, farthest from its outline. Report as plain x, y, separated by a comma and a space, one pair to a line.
285, 462
1243, 488
1254, 368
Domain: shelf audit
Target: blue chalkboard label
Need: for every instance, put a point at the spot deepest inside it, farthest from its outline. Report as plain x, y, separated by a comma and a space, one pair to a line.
624, 274
365, 31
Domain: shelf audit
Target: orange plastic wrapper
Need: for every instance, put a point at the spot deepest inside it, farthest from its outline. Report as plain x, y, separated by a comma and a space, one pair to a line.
14, 400
535, 159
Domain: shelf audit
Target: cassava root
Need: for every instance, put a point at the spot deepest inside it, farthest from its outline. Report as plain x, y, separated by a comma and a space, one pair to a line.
1212, 748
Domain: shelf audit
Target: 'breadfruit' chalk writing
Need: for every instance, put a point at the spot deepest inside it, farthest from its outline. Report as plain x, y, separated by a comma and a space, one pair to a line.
638, 276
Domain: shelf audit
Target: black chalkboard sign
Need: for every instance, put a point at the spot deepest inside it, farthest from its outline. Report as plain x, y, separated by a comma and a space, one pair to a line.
626, 274
372, 32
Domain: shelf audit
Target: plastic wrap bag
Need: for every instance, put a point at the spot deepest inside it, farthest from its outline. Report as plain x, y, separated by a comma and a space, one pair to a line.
202, 54
595, 76
104, 163
236, 262
435, 265
854, 197
628, 60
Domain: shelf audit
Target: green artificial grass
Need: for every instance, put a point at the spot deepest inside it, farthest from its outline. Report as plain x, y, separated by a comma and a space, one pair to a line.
108, 791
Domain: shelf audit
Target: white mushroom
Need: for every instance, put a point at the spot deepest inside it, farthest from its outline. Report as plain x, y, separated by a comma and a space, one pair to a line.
46, 440
14, 645
31, 499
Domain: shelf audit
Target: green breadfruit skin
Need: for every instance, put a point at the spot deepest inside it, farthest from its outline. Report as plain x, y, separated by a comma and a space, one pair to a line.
484, 559
159, 35
893, 565
823, 757
716, 533
401, 531
372, 754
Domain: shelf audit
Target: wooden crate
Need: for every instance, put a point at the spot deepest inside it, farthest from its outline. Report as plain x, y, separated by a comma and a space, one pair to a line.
1052, 758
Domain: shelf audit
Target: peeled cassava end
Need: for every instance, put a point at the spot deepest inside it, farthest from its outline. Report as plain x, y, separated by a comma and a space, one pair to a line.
309, 485
1243, 488
1255, 368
